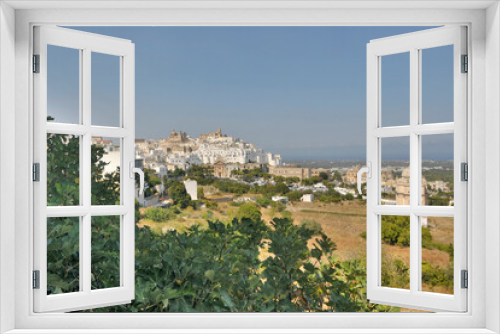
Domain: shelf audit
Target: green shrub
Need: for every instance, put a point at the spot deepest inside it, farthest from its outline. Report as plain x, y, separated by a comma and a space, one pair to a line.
249, 211
159, 214
263, 202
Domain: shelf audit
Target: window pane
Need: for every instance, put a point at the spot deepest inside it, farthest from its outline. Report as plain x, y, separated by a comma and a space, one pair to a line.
105, 89
437, 170
395, 171
63, 255
105, 252
437, 254
437, 84
105, 171
63, 84
395, 89
63, 170
395, 251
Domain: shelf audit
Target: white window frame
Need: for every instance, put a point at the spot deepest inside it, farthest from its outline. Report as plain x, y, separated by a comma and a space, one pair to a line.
482, 19
413, 44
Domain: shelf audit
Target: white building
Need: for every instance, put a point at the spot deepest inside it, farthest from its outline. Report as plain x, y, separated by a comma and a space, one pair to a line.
307, 198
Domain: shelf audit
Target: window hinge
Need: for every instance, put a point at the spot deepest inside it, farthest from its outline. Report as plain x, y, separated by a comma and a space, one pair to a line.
465, 279
36, 172
464, 171
36, 63
36, 279
465, 64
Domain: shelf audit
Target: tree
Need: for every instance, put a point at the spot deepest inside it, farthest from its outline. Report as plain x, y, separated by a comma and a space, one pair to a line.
281, 188
178, 173
323, 176
178, 194
249, 211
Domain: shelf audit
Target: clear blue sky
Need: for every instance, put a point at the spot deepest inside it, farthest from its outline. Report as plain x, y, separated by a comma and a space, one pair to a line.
296, 91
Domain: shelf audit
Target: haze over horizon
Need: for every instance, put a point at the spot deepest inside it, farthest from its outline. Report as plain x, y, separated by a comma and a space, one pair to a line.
295, 91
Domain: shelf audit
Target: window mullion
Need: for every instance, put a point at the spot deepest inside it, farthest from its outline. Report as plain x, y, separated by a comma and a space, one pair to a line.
86, 173
415, 251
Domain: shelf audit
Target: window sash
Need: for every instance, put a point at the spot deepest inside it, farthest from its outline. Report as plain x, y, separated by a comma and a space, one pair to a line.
86, 297
413, 43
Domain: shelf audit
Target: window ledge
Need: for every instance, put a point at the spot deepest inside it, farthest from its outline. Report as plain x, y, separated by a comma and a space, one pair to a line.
251, 331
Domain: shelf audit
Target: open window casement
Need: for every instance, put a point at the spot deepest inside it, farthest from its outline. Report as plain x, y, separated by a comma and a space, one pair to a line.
84, 185
415, 209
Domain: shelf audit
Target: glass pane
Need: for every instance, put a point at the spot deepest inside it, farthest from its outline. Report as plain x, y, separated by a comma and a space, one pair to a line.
437, 84
63, 170
395, 171
395, 251
437, 254
105, 171
437, 170
105, 90
63, 84
395, 89
63, 255
105, 252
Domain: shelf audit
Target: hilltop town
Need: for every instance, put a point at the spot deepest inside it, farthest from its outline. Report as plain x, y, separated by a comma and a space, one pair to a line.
231, 158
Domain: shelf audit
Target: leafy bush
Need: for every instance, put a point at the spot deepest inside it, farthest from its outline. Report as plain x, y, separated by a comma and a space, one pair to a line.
177, 192
437, 276
225, 272
395, 273
159, 214
263, 202
211, 204
249, 211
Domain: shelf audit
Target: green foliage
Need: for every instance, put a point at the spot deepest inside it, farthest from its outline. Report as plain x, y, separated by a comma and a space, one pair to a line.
249, 211
178, 173
211, 204
202, 174
337, 177
63, 233
395, 273
159, 214
105, 259
177, 192
396, 231
263, 202
63, 260
218, 270
323, 176
329, 196
294, 195
311, 181
437, 276
137, 213
441, 199
63, 160
232, 187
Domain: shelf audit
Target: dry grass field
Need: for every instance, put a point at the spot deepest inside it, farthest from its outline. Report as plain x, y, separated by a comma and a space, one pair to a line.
342, 222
